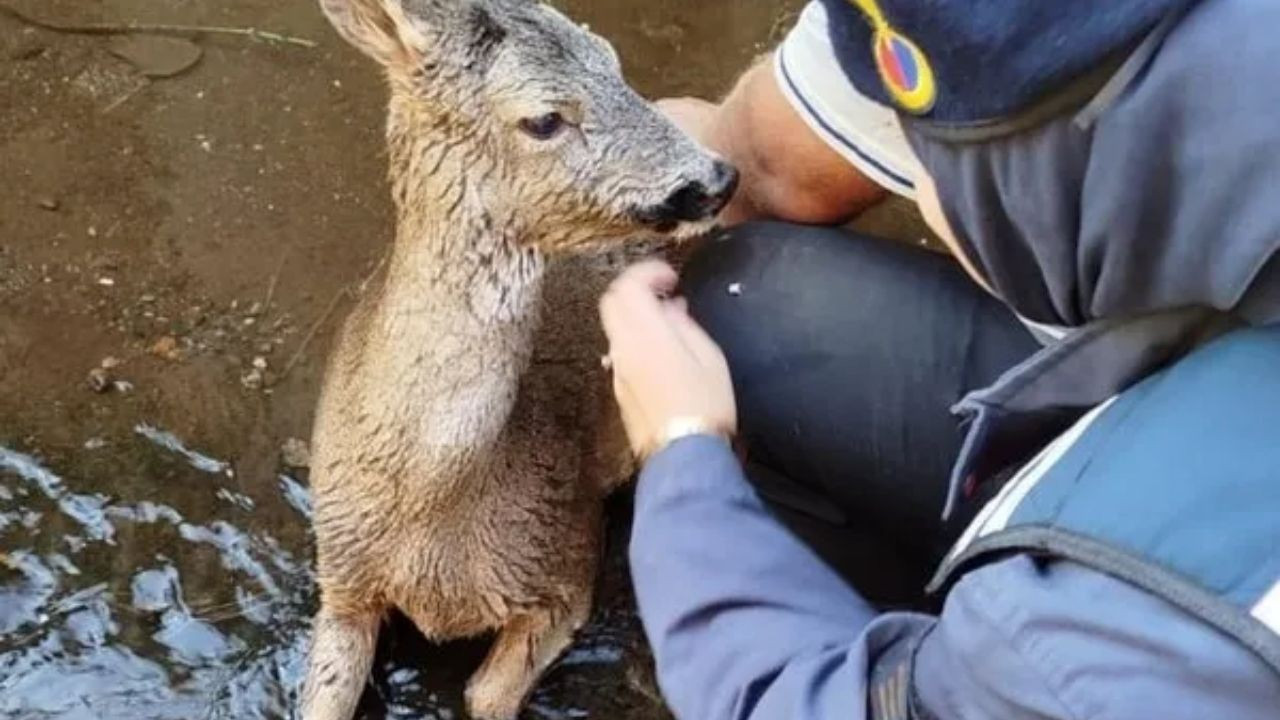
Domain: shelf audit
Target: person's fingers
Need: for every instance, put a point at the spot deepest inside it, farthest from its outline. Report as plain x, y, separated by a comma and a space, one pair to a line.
640, 342
636, 293
632, 313
679, 304
698, 342
633, 419
654, 276
629, 321
676, 314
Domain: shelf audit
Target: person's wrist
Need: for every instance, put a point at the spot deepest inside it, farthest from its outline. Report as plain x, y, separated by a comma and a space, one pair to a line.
681, 427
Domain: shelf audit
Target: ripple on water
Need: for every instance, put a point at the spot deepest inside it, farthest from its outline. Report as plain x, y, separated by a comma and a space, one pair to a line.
159, 584
114, 606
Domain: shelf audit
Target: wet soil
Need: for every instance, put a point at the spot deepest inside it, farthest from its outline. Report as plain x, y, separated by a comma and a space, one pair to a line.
174, 255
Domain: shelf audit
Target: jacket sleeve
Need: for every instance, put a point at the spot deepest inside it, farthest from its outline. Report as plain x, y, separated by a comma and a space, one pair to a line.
745, 621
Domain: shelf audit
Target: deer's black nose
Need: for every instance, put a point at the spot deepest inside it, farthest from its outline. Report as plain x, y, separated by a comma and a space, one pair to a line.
697, 199
724, 183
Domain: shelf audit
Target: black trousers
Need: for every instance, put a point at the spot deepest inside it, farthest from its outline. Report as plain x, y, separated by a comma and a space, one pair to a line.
847, 353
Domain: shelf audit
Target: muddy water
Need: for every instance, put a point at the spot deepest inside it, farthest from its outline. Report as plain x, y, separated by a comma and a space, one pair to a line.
686, 47
141, 583
155, 559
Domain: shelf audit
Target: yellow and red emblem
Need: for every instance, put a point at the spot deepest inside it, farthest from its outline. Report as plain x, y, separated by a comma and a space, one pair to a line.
904, 68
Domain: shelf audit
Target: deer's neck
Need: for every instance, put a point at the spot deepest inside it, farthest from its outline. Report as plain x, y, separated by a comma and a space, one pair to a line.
461, 301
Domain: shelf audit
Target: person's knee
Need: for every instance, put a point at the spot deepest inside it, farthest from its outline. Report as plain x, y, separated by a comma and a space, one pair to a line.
761, 277
751, 268
749, 251
715, 275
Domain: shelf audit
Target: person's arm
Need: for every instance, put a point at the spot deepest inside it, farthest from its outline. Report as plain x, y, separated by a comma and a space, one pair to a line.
788, 172
746, 622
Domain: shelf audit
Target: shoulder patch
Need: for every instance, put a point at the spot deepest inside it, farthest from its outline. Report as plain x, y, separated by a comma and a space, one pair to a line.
904, 68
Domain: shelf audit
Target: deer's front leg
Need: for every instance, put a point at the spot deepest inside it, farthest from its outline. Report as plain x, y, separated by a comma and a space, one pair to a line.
342, 650
525, 648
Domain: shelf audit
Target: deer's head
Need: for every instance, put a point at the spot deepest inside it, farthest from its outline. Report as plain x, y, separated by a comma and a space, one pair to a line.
533, 109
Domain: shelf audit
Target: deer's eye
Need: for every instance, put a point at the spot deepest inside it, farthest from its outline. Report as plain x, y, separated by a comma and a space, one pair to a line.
543, 127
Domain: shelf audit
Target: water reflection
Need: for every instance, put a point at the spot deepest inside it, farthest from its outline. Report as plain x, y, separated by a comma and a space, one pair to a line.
120, 607
180, 599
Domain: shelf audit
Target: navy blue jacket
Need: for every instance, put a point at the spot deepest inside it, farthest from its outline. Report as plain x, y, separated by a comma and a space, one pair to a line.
747, 624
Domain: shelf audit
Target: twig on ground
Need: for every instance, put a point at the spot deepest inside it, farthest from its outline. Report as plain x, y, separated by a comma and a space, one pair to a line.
333, 305
364, 284
125, 97
311, 334
275, 279
152, 29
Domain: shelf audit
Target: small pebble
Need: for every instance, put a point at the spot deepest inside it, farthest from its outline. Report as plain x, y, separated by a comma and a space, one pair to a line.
109, 363
106, 282
260, 363
735, 289
49, 203
99, 380
167, 348
252, 380
296, 453
147, 299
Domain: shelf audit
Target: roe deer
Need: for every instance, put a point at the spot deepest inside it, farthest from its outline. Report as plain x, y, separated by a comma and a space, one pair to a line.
463, 442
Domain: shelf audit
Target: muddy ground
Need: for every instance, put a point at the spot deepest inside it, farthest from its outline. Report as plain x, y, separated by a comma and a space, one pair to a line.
174, 256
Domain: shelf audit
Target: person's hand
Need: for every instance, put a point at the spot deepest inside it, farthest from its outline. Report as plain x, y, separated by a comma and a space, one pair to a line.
693, 115
669, 376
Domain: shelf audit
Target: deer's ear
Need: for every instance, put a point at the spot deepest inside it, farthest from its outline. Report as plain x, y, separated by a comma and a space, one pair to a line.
379, 28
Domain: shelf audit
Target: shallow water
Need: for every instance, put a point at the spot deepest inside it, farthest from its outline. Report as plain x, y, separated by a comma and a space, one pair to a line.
155, 563
170, 594
162, 596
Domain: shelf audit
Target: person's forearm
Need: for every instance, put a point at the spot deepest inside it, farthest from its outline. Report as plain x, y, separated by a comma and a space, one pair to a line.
788, 172
766, 191
741, 615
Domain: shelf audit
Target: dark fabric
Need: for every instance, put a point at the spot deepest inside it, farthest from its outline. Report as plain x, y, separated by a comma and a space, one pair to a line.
993, 58
847, 352
1162, 197
1041, 397
1146, 222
